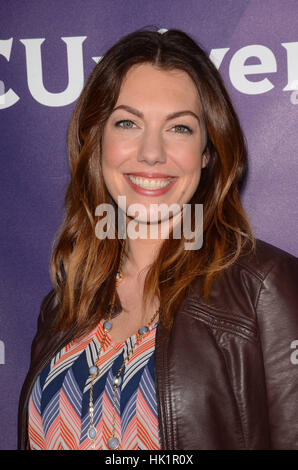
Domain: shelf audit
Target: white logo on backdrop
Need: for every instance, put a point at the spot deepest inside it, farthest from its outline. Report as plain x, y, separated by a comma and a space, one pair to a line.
2, 353
2, 91
239, 71
294, 94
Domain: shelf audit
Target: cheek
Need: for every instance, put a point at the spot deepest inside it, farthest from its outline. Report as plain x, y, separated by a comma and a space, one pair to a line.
189, 161
109, 162
111, 156
113, 151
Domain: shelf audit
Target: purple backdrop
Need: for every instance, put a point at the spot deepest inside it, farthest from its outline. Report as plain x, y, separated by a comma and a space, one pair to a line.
47, 49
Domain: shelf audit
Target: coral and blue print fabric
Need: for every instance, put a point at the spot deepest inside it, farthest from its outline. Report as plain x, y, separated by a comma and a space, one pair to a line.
59, 402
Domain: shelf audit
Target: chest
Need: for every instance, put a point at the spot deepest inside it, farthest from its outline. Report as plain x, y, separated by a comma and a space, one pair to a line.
134, 314
59, 411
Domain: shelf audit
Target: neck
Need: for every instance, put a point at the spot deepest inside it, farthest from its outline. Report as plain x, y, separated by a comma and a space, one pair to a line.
143, 251
141, 254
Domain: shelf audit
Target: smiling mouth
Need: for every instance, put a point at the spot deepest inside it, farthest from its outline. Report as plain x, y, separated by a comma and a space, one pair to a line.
150, 183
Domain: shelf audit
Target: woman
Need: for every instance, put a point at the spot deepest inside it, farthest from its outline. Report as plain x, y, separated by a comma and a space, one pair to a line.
142, 343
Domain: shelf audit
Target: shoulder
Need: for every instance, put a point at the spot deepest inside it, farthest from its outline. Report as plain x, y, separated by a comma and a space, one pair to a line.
48, 309
266, 266
265, 259
45, 333
251, 286
48, 340
273, 274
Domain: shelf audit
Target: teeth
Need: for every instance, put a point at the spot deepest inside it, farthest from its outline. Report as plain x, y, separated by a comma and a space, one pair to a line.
150, 183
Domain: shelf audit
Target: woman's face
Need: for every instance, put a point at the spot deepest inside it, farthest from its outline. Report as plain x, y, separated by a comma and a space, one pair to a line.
154, 138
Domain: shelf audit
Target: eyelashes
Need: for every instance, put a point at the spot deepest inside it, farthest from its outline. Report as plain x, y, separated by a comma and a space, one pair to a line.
124, 121
186, 129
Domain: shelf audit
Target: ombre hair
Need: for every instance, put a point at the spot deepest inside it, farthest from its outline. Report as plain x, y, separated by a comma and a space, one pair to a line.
83, 267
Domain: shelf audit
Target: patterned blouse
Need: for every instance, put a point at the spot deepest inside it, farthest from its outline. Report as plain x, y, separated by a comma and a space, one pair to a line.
59, 403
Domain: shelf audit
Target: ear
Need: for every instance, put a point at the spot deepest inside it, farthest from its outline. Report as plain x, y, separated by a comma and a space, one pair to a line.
205, 158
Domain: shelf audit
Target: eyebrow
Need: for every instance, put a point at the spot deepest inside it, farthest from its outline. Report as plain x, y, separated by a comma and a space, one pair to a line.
168, 117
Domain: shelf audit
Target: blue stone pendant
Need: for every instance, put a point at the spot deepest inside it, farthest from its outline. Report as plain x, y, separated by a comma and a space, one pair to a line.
107, 325
92, 433
143, 330
113, 443
93, 370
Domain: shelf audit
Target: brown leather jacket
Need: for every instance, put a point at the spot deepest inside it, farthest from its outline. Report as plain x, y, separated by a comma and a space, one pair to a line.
227, 374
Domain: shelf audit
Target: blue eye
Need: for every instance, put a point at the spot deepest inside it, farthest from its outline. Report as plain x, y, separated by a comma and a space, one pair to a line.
186, 129
117, 124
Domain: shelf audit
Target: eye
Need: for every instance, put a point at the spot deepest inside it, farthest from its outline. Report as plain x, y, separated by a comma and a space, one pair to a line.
124, 121
185, 129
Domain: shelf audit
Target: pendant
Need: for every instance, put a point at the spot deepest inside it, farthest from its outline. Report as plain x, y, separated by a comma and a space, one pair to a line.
113, 443
107, 325
92, 433
93, 371
143, 330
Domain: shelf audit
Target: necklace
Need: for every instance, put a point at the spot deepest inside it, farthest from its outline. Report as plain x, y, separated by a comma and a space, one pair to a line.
113, 442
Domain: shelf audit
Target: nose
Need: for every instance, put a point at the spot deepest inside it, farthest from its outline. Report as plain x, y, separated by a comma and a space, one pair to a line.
151, 149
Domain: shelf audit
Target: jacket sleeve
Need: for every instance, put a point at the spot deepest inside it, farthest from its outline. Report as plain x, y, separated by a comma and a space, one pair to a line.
277, 314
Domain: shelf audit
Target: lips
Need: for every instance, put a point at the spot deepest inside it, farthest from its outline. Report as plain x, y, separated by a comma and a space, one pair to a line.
150, 184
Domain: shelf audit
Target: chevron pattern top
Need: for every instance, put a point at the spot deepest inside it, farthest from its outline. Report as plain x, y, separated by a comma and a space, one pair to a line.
58, 406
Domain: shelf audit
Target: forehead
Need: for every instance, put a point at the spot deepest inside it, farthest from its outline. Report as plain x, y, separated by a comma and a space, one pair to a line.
147, 82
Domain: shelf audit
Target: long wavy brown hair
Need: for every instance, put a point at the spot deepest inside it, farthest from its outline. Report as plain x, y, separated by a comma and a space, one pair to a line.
83, 267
